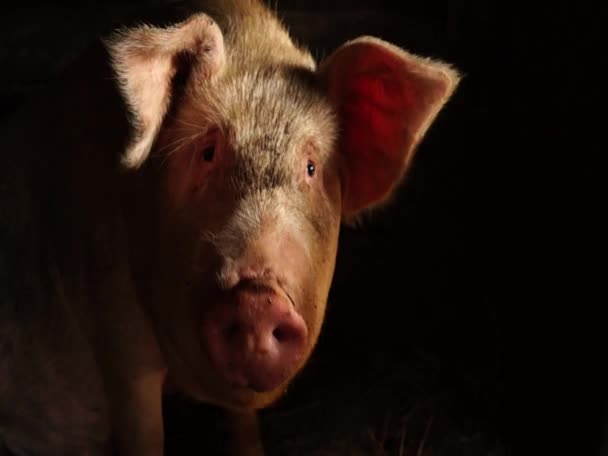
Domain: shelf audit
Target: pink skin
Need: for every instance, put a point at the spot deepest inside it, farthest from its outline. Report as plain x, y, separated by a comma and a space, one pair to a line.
252, 330
256, 276
254, 336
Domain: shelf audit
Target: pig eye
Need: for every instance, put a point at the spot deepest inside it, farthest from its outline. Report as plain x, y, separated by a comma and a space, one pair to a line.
310, 168
209, 153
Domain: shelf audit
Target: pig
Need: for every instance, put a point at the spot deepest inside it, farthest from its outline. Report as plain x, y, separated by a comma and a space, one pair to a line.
170, 214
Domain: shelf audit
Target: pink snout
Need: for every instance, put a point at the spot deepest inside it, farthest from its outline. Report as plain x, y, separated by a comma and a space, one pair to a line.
255, 337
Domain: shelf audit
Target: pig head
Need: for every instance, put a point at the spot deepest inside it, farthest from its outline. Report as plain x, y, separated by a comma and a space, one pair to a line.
245, 157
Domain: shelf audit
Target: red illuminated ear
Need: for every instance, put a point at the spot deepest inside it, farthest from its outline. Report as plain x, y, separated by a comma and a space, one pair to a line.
146, 60
386, 100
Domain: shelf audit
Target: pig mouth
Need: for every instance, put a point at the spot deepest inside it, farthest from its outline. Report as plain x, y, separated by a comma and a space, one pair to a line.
254, 336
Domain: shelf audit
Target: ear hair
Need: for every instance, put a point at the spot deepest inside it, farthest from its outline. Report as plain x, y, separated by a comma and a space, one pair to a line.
386, 99
146, 61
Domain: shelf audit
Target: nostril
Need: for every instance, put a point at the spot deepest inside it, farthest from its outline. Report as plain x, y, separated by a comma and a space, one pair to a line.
232, 330
279, 334
286, 333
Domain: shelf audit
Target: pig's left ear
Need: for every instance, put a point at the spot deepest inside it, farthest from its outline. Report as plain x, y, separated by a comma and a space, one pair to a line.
386, 99
146, 61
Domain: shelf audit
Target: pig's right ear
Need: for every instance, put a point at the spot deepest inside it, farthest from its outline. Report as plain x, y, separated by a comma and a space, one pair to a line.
146, 60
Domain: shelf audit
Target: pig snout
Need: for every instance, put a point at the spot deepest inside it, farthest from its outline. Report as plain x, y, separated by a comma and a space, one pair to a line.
254, 336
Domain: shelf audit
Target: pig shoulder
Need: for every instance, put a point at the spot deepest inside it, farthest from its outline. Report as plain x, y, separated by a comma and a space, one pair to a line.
51, 395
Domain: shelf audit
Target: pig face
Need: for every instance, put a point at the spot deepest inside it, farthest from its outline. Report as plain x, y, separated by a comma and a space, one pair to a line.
254, 207
252, 156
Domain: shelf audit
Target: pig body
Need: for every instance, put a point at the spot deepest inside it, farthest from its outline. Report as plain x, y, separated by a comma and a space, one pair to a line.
170, 219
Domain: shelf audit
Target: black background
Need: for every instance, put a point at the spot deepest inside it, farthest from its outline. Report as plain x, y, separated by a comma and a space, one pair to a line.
474, 298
